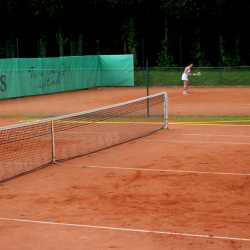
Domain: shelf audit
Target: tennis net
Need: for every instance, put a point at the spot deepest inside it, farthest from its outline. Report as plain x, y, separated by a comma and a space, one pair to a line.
27, 147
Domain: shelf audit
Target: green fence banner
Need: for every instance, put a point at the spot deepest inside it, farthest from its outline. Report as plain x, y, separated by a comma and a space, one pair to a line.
36, 76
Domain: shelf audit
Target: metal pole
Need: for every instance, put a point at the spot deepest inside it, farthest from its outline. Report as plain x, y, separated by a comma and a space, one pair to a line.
143, 64
81, 46
38, 49
220, 62
41, 47
181, 58
62, 47
166, 109
147, 78
53, 143
147, 88
97, 45
6, 49
17, 48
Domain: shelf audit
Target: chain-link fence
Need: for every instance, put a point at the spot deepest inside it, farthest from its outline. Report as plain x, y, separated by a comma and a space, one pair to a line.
42, 48
180, 52
147, 50
210, 76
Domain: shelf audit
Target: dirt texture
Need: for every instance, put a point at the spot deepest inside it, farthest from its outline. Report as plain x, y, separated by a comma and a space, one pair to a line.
186, 187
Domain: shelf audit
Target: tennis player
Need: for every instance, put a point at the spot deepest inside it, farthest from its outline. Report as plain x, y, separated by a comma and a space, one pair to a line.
186, 73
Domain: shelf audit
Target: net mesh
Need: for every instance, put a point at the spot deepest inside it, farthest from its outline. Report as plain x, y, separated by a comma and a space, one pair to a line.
28, 147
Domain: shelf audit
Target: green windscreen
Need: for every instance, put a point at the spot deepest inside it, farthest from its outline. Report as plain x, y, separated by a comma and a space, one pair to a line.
36, 76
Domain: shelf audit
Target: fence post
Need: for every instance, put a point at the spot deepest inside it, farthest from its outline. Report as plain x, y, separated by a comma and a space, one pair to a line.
81, 46
180, 60
38, 49
6, 49
62, 54
17, 48
97, 46
41, 47
147, 80
220, 62
143, 64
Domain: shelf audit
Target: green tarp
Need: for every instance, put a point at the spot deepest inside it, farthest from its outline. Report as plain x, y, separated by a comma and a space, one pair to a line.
36, 76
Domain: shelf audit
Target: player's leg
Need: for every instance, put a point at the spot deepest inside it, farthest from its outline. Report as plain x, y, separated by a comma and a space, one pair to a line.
186, 83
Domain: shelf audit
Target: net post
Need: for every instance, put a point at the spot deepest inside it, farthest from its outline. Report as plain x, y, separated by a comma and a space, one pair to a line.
166, 109
147, 89
42, 135
53, 142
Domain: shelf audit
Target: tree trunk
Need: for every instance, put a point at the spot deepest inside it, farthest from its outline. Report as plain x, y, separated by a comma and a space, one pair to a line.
237, 45
80, 44
134, 52
60, 45
223, 50
12, 47
201, 58
60, 39
166, 39
125, 47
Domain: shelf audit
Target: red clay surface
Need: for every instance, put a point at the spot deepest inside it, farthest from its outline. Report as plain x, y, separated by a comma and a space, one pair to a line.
186, 187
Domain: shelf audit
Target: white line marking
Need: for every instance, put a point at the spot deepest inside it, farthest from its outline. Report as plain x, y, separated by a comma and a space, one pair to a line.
218, 135
157, 170
208, 124
128, 229
237, 143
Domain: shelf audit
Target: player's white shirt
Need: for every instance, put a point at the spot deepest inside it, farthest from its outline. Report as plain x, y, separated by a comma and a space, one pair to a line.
185, 75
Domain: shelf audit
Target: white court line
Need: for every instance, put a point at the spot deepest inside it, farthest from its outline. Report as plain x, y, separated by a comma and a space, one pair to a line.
218, 135
215, 142
181, 95
128, 229
157, 170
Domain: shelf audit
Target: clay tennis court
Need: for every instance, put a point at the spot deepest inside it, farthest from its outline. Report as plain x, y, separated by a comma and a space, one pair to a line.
186, 187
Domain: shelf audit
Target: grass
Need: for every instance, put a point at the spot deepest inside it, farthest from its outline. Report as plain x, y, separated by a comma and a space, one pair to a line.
28, 116
241, 120
210, 77
25, 117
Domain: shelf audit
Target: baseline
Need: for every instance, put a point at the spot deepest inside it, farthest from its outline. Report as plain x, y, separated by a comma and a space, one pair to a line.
128, 229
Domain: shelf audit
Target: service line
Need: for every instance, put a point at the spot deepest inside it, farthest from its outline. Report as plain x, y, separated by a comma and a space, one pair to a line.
128, 229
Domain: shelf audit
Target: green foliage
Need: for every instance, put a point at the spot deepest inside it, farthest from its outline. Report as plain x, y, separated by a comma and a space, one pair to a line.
161, 62
10, 49
137, 64
163, 59
199, 55
211, 119
42, 45
232, 60
104, 20
129, 34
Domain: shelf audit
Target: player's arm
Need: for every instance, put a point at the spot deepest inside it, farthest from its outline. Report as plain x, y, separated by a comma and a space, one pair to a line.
186, 71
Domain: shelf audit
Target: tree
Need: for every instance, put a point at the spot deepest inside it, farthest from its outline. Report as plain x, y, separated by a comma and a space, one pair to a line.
16, 14
171, 10
158, 23
231, 17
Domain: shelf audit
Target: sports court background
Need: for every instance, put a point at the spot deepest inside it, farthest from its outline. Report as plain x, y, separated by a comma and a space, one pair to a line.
186, 187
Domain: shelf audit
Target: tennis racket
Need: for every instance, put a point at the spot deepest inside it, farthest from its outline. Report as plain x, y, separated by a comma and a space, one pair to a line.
198, 74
